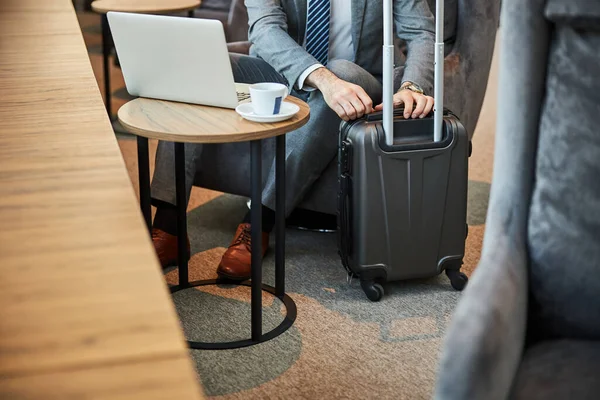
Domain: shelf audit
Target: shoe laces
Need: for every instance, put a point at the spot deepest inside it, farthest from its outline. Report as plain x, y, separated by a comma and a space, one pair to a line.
245, 237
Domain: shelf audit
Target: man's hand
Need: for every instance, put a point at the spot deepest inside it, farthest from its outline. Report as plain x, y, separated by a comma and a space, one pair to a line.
422, 104
348, 100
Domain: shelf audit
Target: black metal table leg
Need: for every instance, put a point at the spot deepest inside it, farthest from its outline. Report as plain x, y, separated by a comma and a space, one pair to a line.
280, 216
256, 285
191, 14
144, 178
182, 259
256, 224
106, 45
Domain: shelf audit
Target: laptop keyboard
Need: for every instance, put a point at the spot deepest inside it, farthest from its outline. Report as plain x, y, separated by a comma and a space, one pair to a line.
243, 96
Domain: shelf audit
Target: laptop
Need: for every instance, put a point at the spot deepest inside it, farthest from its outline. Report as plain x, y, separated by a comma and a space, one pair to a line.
176, 58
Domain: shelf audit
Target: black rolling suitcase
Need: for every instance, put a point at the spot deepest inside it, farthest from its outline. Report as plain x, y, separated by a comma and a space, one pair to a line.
402, 198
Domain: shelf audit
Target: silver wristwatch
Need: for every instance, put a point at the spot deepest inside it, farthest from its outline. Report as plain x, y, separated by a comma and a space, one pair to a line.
413, 87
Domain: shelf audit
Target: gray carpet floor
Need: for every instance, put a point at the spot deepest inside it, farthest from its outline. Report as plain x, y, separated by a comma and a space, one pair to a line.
412, 312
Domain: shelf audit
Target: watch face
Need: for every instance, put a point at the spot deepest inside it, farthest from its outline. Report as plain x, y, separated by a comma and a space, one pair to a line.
413, 88
416, 88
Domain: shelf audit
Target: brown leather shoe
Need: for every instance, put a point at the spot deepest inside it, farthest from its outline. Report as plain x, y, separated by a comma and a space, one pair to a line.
237, 261
165, 245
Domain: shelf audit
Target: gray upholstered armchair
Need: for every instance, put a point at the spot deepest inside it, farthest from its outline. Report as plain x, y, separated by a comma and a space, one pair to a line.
233, 15
528, 324
470, 32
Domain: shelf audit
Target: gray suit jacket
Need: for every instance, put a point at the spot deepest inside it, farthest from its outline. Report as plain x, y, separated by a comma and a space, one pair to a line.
277, 29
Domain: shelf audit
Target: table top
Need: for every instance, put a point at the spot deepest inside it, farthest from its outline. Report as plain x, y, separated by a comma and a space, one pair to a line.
34, 5
191, 123
84, 309
145, 6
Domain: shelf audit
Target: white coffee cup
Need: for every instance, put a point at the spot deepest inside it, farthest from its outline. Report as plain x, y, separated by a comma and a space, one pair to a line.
267, 97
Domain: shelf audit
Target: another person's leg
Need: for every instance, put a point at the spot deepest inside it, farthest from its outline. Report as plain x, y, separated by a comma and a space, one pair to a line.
164, 229
309, 150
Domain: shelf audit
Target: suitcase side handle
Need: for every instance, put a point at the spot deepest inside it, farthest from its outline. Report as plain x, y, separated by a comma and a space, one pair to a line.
344, 229
344, 213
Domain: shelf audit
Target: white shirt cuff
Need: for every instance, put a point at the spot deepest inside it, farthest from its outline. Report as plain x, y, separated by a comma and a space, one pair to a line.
304, 75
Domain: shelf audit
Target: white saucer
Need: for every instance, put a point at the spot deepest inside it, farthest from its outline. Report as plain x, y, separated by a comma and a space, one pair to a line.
287, 111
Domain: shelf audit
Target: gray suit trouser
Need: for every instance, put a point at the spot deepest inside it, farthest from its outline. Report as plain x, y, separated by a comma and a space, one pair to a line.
309, 149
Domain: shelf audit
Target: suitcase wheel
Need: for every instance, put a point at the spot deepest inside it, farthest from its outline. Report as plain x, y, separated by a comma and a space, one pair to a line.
372, 289
458, 280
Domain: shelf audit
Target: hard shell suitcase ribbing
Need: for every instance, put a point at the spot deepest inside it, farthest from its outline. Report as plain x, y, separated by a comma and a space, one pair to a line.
402, 198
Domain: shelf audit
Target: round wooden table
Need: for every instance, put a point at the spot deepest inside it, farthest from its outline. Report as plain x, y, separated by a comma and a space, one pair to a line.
134, 6
187, 123
145, 6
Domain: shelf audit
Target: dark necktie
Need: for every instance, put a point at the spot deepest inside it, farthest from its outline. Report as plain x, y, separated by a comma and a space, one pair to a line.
317, 29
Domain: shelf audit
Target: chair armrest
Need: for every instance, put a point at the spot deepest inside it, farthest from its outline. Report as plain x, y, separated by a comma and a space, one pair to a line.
237, 22
239, 47
485, 342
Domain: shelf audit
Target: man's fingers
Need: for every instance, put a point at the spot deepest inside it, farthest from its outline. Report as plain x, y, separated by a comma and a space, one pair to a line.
344, 109
420, 106
365, 100
397, 103
349, 109
428, 107
359, 107
341, 112
424, 105
408, 101
337, 105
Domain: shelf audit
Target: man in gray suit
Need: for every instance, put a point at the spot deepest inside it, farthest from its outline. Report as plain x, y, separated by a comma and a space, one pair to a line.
328, 52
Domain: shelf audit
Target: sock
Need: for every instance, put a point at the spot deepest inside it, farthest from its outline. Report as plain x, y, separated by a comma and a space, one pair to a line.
166, 219
268, 219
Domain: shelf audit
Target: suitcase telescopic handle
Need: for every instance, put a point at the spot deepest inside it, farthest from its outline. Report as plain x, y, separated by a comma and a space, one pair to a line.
438, 81
388, 71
